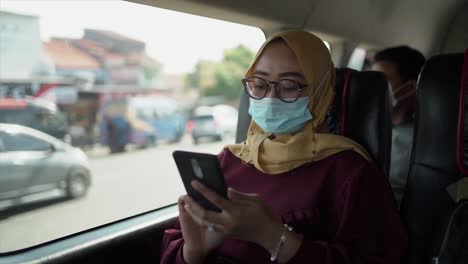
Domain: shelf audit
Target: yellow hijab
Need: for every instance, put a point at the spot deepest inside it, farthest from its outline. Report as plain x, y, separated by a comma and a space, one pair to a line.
288, 151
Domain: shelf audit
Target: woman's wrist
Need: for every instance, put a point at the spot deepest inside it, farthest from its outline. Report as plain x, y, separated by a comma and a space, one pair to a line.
191, 256
273, 235
270, 237
290, 247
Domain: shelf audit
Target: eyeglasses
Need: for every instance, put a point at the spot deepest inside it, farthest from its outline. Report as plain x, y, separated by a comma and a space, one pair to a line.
286, 90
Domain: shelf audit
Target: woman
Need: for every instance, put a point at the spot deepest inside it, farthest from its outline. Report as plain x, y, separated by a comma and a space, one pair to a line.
297, 194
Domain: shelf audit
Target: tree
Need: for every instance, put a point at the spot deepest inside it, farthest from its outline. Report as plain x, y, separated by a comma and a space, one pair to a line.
202, 76
228, 77
149, 72
240, 55
228, 73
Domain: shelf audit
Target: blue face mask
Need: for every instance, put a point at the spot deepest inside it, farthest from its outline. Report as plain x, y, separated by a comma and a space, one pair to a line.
277, 117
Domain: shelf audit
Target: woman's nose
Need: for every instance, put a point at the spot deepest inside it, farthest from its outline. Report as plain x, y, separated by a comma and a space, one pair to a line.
271, 92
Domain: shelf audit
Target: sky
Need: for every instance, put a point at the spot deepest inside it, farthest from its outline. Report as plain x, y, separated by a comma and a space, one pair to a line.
177, 40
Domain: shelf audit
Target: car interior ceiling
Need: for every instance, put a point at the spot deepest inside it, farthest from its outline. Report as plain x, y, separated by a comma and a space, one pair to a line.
418, 23
432, 26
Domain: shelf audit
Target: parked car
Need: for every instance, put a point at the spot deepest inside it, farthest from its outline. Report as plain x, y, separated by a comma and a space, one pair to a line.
34, 113
214, 122
205, 126
36, 166
226, 116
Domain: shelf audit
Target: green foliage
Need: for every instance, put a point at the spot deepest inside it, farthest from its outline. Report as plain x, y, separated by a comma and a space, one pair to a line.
223, 78
202, 77
240, 55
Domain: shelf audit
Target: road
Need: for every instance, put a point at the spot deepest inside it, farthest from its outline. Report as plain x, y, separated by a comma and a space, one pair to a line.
122, 185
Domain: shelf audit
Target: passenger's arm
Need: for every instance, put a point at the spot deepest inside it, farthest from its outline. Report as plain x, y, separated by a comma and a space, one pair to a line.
369, 228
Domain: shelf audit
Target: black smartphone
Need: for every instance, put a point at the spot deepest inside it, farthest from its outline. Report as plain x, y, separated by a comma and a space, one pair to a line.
205, 168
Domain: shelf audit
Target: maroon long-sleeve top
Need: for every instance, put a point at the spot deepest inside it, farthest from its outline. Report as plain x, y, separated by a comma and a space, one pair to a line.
343, 205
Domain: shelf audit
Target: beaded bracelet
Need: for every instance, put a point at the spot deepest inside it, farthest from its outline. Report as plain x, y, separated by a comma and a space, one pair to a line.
281, 242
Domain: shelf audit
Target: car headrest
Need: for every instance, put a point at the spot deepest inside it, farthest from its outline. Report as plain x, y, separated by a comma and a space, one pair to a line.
440, 152
363, 110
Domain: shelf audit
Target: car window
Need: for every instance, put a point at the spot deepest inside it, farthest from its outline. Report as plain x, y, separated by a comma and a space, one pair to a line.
22, 142
2, 146
14, 116
356, 61
128, 79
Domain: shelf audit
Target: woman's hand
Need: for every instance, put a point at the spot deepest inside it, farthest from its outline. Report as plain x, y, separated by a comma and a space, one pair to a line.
198, 240
244, 216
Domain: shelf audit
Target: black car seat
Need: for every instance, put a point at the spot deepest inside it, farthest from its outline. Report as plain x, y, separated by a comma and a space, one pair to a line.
363, 107
439, 157
361, 111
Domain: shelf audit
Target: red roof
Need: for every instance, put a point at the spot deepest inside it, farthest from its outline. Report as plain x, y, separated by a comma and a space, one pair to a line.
66, 56
96, 49
89, 45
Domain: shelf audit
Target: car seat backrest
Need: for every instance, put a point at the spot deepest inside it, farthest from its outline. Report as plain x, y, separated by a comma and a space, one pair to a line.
439, 157
363, 106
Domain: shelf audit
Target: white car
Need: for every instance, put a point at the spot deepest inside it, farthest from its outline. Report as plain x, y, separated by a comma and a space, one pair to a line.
35, 166
216, 122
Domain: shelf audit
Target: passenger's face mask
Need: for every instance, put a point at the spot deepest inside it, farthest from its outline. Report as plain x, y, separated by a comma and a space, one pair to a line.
277, 117
402, 92
392, 97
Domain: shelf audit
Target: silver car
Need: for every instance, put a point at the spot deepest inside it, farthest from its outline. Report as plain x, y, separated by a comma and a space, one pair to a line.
35, 166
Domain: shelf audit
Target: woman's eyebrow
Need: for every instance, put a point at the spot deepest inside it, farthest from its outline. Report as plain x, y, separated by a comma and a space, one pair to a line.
261, 73
284, 74
291, 74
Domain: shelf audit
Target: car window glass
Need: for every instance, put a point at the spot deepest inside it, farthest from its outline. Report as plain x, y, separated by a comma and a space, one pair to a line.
2, 146
127, 78
14, 116
22, 142
206, 118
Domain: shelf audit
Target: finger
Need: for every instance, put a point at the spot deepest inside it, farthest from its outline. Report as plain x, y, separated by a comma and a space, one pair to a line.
236, 195
187, 209
219, 228
192, 216
202, 223
184, 215
181, 204
212, 196
205, 216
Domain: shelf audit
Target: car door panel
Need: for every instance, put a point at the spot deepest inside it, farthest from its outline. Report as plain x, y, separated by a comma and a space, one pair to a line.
49, 169
28, 161
136, 239
14, 175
